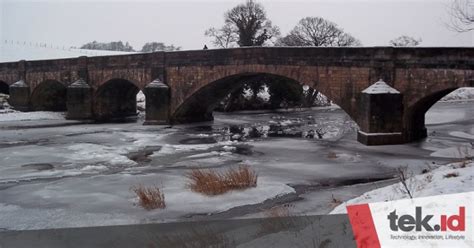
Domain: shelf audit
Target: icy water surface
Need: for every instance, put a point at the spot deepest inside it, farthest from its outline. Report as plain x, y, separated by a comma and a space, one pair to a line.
62, 174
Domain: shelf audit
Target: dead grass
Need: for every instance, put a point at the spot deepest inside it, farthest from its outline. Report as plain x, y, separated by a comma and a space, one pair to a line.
213, 182
428, 168
429, 178
332, 155
452, 174
463, 156
149, 197
335, 201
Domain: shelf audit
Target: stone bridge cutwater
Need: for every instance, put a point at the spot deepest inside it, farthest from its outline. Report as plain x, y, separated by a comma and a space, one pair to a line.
184, 86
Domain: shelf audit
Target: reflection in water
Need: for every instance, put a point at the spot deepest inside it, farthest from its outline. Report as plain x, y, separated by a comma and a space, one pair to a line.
281, 126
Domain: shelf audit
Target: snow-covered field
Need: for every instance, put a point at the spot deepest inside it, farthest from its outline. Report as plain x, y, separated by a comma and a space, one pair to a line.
25, 51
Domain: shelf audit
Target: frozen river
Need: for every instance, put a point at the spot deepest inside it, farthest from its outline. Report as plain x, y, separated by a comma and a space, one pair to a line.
56, 173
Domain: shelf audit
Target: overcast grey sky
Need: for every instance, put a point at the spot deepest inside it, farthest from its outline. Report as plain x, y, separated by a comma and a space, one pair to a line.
182, 23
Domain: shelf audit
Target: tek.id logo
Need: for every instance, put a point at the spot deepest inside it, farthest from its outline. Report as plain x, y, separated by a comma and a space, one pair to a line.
407, 222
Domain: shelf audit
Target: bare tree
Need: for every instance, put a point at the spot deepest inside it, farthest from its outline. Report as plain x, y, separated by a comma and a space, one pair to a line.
405, 41
317, 31
406, 180
462, 16
225, 37
245, 25
347, 40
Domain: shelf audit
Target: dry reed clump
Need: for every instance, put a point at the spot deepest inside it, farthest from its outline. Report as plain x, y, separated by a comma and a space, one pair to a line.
464, 157
213, 182
332, 155
149, 197
335, 201
452, 174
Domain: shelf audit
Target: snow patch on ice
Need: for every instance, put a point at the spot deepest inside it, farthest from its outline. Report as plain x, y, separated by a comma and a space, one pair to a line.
345, 157
47, 174
143, 139
204, 155
170, 149
86, 152
94, 168
454, 152
462, 135
229, 148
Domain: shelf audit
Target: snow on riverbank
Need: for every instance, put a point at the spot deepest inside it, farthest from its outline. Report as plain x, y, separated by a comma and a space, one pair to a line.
9, 114
12, 115
448, 179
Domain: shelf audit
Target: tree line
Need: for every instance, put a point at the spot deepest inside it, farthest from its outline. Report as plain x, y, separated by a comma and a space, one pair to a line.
126, 47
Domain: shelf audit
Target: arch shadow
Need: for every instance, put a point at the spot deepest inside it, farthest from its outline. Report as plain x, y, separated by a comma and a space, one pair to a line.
115, 100
4, 88
200, 105
49, 95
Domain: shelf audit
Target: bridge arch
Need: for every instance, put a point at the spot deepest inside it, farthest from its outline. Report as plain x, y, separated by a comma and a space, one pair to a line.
4, 88
115, 99
49, 95
199, 105
414, 117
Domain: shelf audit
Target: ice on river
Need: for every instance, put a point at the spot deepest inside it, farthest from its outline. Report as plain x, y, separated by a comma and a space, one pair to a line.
81, 175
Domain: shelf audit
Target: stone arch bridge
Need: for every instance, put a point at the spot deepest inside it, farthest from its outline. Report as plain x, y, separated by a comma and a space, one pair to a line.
184, 86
